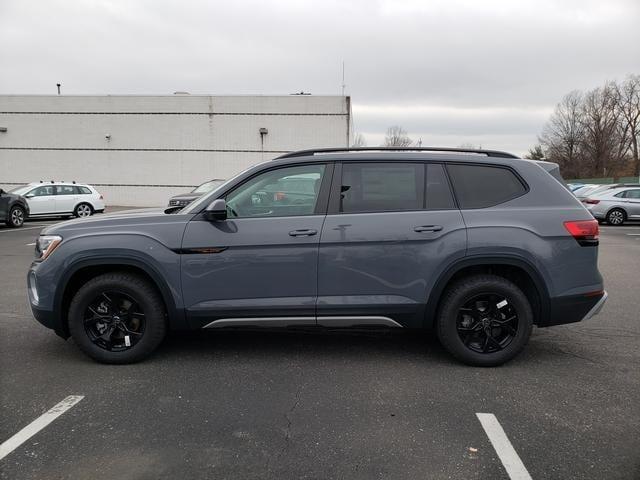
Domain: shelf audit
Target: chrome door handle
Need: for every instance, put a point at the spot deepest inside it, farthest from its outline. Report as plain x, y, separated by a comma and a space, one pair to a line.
306, 232
427, 228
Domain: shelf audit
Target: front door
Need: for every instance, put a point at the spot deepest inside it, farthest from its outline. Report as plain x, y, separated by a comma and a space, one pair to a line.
385, 238
258, 267
42, 200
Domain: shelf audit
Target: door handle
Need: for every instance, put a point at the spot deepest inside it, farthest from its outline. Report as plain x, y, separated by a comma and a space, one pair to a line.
427, 228
305, 232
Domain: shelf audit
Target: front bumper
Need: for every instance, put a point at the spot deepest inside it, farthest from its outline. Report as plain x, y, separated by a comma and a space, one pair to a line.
42, 304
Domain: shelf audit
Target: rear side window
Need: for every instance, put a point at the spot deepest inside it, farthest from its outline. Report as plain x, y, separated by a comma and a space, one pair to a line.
439, 195
632, 193
481, 186
85, 190
66, 190
381, 187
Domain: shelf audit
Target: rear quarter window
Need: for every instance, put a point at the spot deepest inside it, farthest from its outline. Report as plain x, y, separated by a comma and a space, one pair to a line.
85, 190
481, 186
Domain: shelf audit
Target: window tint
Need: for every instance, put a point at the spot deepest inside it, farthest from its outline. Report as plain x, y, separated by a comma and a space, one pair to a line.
632, 193
379, 187
85, 190
479, 186
278, 193
66, 190
42, 191
439, 195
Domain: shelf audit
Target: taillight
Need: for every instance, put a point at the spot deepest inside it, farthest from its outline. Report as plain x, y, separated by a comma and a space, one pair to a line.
101, 197
591, 201
584, 231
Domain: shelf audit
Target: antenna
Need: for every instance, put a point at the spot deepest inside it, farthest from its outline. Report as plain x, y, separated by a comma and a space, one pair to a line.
343, 84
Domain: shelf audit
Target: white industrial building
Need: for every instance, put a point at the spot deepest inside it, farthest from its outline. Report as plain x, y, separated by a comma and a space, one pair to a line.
140, 150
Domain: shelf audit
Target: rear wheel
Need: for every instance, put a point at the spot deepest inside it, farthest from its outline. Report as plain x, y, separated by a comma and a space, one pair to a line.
83, 210
117, 318
616, 217
484, 320
16, 217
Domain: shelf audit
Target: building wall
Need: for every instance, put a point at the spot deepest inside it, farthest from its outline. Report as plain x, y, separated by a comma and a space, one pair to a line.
140, 150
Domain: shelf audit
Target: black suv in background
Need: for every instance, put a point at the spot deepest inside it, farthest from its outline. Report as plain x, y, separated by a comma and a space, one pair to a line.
13, 209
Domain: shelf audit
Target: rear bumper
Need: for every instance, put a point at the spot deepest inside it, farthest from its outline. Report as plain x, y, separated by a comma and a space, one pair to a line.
574, 308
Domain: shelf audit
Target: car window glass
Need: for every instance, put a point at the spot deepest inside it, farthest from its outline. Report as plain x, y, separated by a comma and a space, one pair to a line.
85, 190
66, 190
620, 194
278, 193
381, 187
632, 193
439, 196
480, 186
42, 191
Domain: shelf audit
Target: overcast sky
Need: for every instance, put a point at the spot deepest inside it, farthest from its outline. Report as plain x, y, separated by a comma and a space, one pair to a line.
485, 72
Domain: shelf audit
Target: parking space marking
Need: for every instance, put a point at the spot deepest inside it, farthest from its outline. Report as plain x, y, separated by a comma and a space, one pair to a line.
23, 228
38, 424
30, 244
501, 444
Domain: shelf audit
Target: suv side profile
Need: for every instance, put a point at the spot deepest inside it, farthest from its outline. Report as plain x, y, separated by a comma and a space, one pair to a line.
478, 245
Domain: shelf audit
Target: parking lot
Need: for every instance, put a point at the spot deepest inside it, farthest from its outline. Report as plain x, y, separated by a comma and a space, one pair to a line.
326, 405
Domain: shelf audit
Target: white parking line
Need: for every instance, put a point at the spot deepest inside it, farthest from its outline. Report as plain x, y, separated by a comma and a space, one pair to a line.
501, 444
21, 229
38, 424
30, 244
634, 234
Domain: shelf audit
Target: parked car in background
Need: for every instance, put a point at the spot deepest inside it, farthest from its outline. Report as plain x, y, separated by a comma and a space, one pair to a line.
583, 194
14, 209
615, 205
575, 186
185, 199
584, 189
61, 199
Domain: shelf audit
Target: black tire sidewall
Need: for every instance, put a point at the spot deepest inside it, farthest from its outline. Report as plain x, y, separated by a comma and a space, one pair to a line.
459, 294
141, 291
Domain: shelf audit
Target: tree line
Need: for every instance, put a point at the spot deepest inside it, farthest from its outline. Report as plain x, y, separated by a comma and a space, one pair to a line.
594, 133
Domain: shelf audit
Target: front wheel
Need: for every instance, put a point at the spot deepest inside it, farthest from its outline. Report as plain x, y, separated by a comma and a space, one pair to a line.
484, 320
16, 217
117, 318
83, 210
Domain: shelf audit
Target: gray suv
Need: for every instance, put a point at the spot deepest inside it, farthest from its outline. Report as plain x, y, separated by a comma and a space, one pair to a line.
477, 245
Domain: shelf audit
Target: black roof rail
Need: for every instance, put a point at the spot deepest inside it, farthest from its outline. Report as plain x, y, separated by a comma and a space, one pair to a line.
313, 151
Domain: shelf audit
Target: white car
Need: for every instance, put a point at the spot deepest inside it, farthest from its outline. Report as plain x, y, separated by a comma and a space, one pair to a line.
61, 199
615, 205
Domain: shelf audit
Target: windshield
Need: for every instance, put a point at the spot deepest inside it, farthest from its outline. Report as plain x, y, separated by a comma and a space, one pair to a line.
208, 186
196, 205
21, 190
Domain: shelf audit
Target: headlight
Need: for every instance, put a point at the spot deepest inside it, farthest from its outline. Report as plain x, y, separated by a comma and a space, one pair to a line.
46, 244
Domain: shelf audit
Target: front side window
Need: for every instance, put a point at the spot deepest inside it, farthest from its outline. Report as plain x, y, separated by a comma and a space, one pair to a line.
283, 192
42, 191
381, 187
481, 186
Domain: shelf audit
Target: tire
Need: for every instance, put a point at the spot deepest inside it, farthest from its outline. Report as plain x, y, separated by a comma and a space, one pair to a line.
460, 316
16, 217
143, 339
616, 217
83, 210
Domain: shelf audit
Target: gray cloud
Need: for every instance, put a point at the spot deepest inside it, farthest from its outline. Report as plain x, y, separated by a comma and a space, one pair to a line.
443, 69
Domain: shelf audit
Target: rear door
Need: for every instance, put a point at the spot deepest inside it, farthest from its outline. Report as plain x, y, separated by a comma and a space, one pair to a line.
383, 241
632, 198
67, 197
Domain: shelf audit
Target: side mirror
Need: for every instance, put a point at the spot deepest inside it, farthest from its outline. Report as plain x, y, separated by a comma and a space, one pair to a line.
216, 211
29, 195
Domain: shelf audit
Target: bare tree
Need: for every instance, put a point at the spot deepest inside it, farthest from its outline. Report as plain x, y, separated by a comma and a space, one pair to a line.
535, 153
359, 141
562, 136
628, 99
397, 137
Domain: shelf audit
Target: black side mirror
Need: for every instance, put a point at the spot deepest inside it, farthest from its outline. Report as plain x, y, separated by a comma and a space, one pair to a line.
216, 211
1, 191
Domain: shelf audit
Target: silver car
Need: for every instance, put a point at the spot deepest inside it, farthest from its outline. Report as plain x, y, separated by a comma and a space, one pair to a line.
615, 205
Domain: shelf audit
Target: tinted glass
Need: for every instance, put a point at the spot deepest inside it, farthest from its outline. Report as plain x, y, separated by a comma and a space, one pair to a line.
66, 190
633, 193
85, 190
381, 187
208, 186
479, 186
278, 193
439, 195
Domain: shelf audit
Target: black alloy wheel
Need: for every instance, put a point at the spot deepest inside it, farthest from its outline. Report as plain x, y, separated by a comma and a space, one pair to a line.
114, 321
487, 323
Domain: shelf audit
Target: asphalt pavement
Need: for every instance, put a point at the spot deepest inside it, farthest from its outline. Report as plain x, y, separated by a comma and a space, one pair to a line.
324, 405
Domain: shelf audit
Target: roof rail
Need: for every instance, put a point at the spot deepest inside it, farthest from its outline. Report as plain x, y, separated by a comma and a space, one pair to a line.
313, 151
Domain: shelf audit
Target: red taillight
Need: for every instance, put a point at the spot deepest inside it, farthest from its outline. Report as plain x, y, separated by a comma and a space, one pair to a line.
584, 231
591, 201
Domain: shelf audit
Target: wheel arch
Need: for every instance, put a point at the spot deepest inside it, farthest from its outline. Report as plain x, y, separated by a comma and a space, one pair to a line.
516, 269
80, 272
